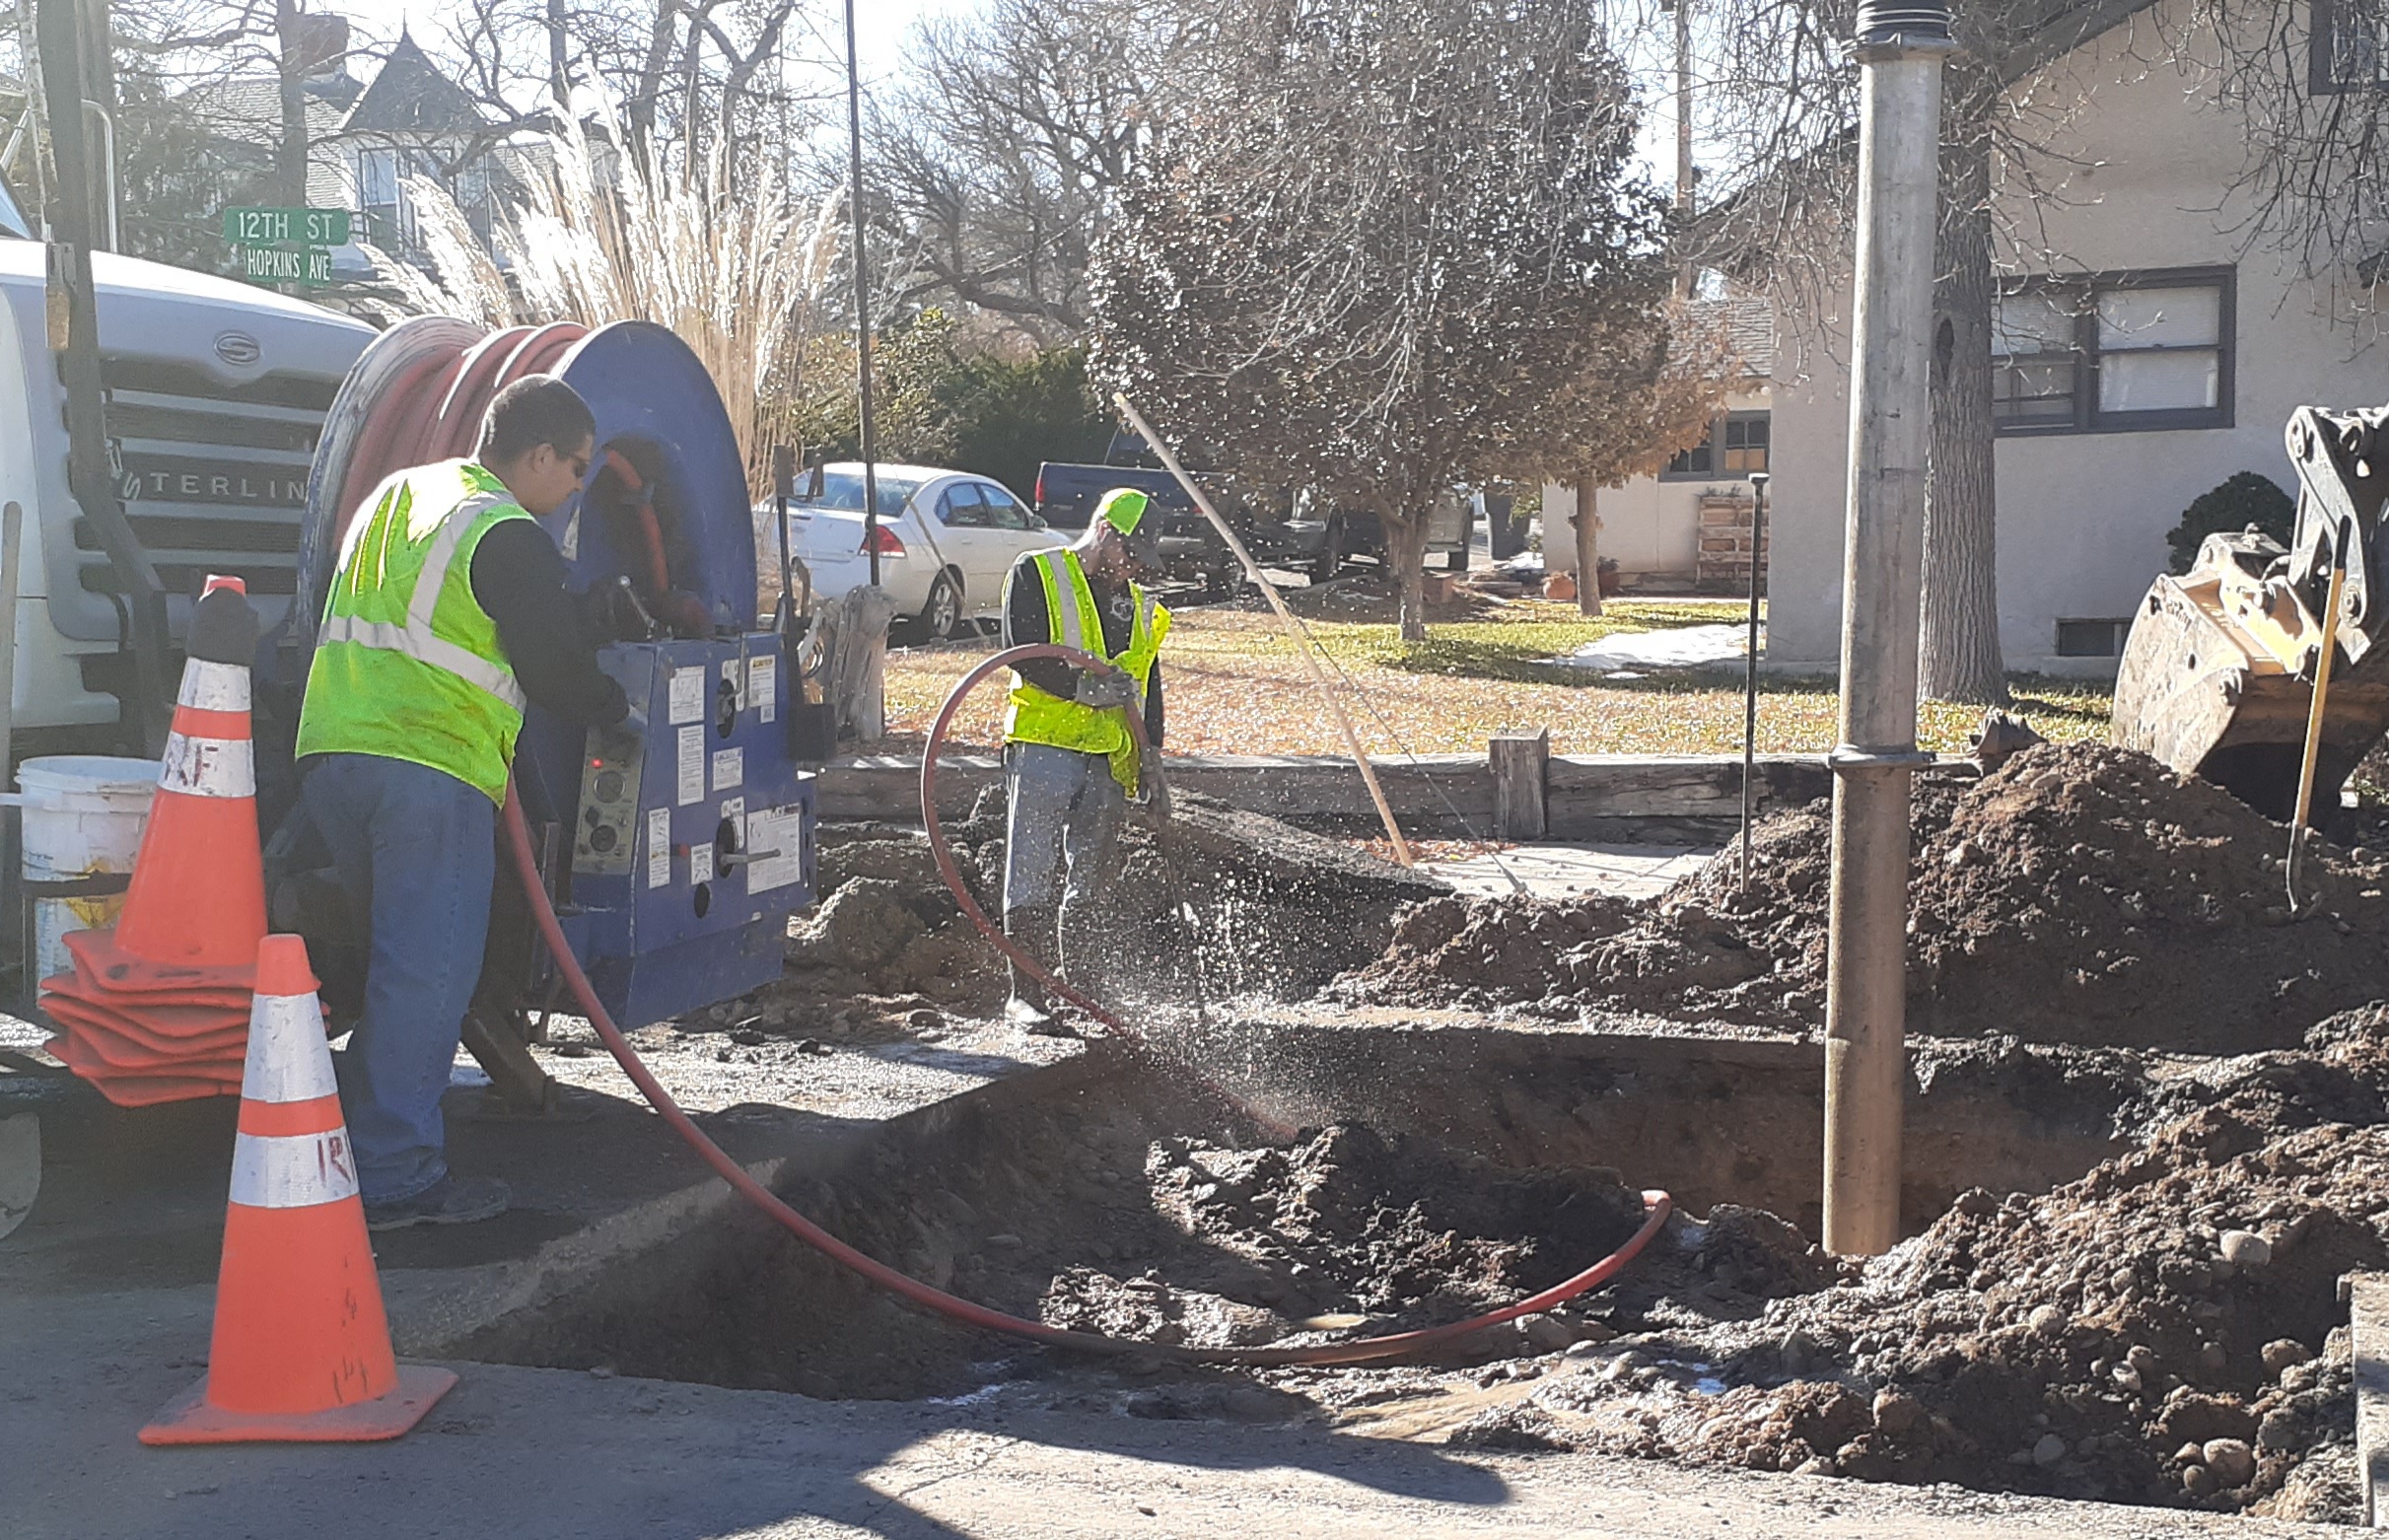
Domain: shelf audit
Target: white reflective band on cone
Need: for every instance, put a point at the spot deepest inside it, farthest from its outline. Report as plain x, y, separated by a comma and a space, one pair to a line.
210, 686
292, 1170
288, 1057
209, 766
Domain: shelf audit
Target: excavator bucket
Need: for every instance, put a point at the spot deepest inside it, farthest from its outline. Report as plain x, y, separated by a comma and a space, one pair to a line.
2216, 678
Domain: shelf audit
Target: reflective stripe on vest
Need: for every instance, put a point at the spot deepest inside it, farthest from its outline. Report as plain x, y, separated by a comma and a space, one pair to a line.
407, 664
1073, 621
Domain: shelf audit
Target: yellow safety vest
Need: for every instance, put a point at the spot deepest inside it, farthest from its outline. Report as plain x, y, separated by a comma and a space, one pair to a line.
408, 662
1036, 716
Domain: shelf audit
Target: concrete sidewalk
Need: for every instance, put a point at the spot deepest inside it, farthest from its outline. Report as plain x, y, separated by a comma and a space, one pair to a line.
537, 1454
1555, 870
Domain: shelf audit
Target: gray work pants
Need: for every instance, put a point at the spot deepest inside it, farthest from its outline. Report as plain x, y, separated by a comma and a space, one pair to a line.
1066, 812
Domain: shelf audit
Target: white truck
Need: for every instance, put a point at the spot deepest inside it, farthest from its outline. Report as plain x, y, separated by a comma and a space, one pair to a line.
215, 394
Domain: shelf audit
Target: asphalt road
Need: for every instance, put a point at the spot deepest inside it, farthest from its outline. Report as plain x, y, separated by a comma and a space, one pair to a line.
522, 1453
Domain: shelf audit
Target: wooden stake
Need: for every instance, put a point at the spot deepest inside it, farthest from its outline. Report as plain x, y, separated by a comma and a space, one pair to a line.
1294, 629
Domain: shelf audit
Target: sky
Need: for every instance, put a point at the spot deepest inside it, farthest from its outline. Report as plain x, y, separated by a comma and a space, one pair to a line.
880, 26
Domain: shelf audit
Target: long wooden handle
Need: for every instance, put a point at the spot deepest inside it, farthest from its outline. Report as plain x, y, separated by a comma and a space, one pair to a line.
2322, 692
1294, 629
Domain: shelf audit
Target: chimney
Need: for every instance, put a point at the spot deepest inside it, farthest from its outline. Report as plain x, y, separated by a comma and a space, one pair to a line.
320, 44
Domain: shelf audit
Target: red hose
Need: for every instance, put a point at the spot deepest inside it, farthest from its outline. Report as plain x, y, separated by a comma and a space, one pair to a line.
1656, 1204
443, 431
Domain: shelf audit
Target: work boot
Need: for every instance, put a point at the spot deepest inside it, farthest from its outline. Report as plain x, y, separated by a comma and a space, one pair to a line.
451, 1200
1033, 928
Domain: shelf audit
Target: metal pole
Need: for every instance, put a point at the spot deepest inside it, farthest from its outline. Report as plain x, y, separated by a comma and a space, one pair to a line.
1900, 49
1750, 664
862, 265
1684, 173
782, 487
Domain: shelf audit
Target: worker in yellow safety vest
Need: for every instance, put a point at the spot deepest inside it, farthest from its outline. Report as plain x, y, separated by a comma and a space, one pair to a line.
1070, 761
448, 614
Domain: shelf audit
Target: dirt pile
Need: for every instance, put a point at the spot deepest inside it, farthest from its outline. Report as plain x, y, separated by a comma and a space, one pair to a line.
2168, 1329
2078, 894
887, 952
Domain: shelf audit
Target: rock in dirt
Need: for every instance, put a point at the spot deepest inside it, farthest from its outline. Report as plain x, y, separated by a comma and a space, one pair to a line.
2244, 1249
2230, 1460
2077, 894
863, 925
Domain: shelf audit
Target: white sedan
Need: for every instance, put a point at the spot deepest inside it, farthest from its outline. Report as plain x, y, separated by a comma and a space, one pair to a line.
946, 538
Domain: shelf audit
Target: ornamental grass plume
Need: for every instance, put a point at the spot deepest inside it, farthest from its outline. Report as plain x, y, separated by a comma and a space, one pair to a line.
726, 260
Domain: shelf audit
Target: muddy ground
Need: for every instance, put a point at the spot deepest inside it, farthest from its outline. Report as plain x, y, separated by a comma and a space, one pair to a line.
2166, 1329
889, 953
2163, 1328
2079, 894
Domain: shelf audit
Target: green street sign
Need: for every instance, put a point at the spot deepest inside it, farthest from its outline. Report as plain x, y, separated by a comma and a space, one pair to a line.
307, 266
286, 227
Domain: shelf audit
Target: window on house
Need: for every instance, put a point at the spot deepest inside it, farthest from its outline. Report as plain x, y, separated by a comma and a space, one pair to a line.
1745, 444
378, 193
2091, 638
2349, 45
1737, 446
2114, 353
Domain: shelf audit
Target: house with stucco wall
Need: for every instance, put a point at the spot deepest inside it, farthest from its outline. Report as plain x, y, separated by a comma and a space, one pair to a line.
1686, 529
2145, 351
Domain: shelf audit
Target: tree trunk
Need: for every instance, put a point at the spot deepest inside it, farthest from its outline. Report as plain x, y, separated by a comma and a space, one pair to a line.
290, 151
559, 60
1959, 644
1588, 522
1406, 544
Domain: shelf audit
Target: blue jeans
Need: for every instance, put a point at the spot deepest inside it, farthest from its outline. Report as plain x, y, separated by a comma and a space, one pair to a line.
416, 853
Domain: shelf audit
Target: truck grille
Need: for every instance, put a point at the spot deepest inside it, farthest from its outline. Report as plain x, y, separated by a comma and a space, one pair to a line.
213, 476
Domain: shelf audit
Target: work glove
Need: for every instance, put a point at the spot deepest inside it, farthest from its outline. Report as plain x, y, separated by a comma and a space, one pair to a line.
1104, 691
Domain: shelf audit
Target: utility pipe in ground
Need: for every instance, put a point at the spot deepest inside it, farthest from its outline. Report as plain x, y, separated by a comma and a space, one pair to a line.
1900, 49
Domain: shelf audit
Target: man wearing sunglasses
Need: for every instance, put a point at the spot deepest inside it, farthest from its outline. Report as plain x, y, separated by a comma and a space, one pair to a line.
449, 613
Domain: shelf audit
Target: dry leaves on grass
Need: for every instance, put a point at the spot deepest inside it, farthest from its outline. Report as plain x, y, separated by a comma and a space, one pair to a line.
1233, 683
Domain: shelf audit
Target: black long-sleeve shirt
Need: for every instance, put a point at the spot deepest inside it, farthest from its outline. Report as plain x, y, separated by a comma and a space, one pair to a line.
519, 577
1027, 621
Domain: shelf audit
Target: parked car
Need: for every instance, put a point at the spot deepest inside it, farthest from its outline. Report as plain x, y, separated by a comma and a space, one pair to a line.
1346, 532
1307, 537
946, 538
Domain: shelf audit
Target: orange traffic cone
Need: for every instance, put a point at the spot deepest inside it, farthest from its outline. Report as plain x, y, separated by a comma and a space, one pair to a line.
156, 1007
300, 1351
197, 899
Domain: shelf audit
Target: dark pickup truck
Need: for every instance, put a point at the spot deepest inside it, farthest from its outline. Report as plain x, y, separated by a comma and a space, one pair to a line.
1066, 496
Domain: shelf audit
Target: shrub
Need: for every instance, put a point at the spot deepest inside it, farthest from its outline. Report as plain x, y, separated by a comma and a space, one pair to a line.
2246, 499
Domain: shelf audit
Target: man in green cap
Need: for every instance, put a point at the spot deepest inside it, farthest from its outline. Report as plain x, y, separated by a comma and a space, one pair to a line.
1070, 762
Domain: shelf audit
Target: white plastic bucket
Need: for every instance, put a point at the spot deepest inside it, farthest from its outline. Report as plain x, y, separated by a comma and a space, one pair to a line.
83, 815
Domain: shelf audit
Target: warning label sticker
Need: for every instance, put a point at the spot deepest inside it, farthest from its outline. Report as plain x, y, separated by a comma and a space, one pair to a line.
692, 766
763, 685
659, 847
687, 699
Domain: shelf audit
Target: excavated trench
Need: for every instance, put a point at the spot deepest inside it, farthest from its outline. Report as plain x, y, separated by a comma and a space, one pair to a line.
1440, 1170
2122, 1275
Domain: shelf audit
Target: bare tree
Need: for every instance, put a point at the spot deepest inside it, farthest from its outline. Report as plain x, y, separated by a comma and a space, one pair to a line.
1376, 248
1781, 110
2310, 87
1003, 151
